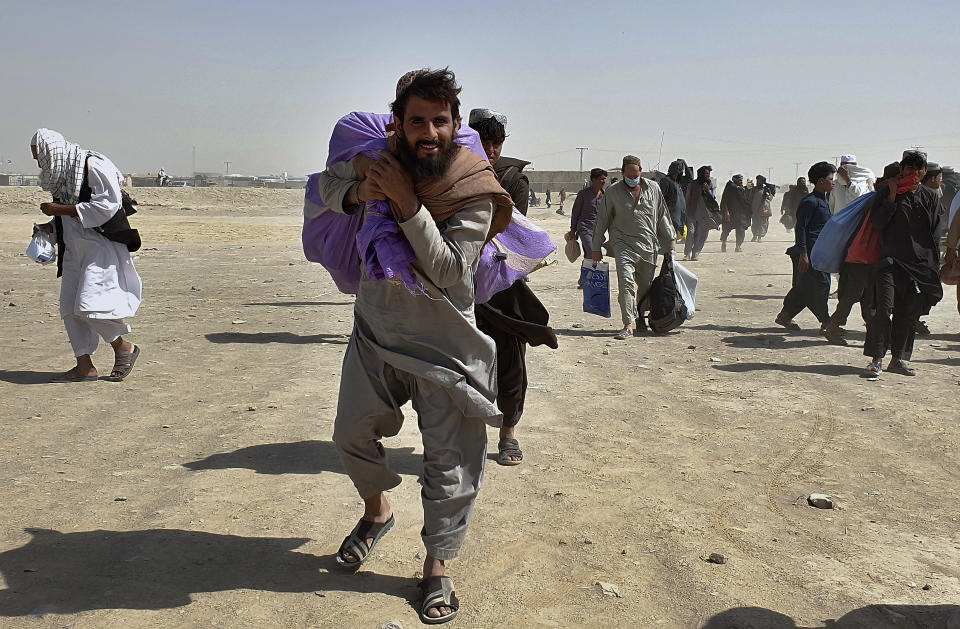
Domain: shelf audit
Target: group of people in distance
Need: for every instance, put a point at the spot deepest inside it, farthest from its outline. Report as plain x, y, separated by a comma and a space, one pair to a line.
462, 365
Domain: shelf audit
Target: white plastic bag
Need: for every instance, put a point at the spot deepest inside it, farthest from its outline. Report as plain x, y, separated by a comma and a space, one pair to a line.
572, 250
687, 286
41, 248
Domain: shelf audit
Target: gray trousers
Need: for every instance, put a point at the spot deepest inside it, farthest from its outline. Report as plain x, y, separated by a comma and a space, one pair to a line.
454, 446
634, 277
697, 234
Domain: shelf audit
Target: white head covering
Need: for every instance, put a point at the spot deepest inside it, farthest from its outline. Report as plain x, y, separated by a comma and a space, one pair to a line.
61, 165
849, 158
477, 115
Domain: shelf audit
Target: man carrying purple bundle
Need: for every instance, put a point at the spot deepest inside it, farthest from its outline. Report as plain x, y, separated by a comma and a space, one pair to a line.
420, 345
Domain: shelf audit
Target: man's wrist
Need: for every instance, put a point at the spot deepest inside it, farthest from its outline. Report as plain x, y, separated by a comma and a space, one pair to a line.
409, 207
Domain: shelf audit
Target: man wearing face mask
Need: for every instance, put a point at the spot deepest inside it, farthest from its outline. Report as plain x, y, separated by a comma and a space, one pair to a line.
907, 215
638, 219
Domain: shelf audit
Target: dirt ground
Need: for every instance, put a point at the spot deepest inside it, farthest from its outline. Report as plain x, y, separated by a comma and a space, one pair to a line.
204, 491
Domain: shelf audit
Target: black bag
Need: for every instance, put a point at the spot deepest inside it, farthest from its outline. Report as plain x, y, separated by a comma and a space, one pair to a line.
667, 310
118, 227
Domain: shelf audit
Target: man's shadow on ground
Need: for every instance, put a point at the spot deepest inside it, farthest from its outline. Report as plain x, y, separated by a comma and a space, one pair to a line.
29, 377
297, 304
740, 329
300, 457
67, 573
274, 337
823, 370
751, 297
769, 341
869, 617
583, 332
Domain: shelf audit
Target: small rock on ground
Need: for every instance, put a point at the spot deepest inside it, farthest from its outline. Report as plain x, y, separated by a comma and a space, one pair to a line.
609, 589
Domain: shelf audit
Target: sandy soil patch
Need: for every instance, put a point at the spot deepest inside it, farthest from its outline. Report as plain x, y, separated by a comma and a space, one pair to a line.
205, 490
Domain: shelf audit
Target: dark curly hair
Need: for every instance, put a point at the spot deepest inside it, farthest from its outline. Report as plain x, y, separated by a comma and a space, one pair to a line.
490, 130
432, 85
820, 170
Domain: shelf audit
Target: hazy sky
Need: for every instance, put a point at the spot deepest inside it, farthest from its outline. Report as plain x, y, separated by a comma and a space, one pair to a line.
743, 86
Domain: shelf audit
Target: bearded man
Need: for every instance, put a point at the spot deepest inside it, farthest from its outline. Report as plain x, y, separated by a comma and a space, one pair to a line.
421, 345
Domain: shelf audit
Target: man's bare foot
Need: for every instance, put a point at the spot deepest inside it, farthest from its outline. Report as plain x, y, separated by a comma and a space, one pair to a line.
122, 347
376, 510
435, 568
85, 367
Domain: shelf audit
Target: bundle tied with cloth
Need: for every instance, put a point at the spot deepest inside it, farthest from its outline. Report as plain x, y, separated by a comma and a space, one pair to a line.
373, 241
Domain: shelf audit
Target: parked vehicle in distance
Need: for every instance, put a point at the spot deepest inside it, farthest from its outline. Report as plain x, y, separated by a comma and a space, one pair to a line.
178, 184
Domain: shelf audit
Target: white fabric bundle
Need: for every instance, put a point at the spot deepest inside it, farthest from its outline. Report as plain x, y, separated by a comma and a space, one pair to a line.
861, 174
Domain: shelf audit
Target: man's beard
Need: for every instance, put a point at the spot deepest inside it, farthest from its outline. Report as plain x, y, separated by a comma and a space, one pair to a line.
430, 167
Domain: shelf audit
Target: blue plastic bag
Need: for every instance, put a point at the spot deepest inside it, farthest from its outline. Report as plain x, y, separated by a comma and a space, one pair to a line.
830, 249
595, 278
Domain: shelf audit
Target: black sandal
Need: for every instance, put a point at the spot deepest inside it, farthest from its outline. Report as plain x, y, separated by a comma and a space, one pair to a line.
508, 448
438, 592
123, 365
356, 542
73, 375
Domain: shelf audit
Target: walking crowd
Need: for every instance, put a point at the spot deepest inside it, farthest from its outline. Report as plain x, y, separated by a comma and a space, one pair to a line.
434, 201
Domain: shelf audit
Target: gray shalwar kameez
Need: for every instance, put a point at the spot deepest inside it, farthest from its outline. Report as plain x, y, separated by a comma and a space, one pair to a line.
638, 230
426, 349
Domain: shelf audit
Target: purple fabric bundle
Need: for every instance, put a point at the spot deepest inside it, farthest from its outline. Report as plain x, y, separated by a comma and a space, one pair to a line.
525, 246
341, 243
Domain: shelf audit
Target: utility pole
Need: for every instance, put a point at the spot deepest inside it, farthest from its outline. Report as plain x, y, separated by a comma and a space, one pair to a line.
194, 159
836, 160
660, 156
769, 171
796, 170
581, 149
228, 169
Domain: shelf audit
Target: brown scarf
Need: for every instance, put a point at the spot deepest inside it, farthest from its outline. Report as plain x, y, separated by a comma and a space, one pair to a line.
469, 177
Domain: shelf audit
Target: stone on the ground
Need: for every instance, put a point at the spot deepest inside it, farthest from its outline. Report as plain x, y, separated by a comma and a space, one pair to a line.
609, 589
820, 501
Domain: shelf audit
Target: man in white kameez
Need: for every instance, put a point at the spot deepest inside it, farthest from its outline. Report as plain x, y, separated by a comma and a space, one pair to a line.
422, 346
638, 218
100, 286
853, 181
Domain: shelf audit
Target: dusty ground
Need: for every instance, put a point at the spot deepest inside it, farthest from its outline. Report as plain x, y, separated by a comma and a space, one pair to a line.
205, 492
